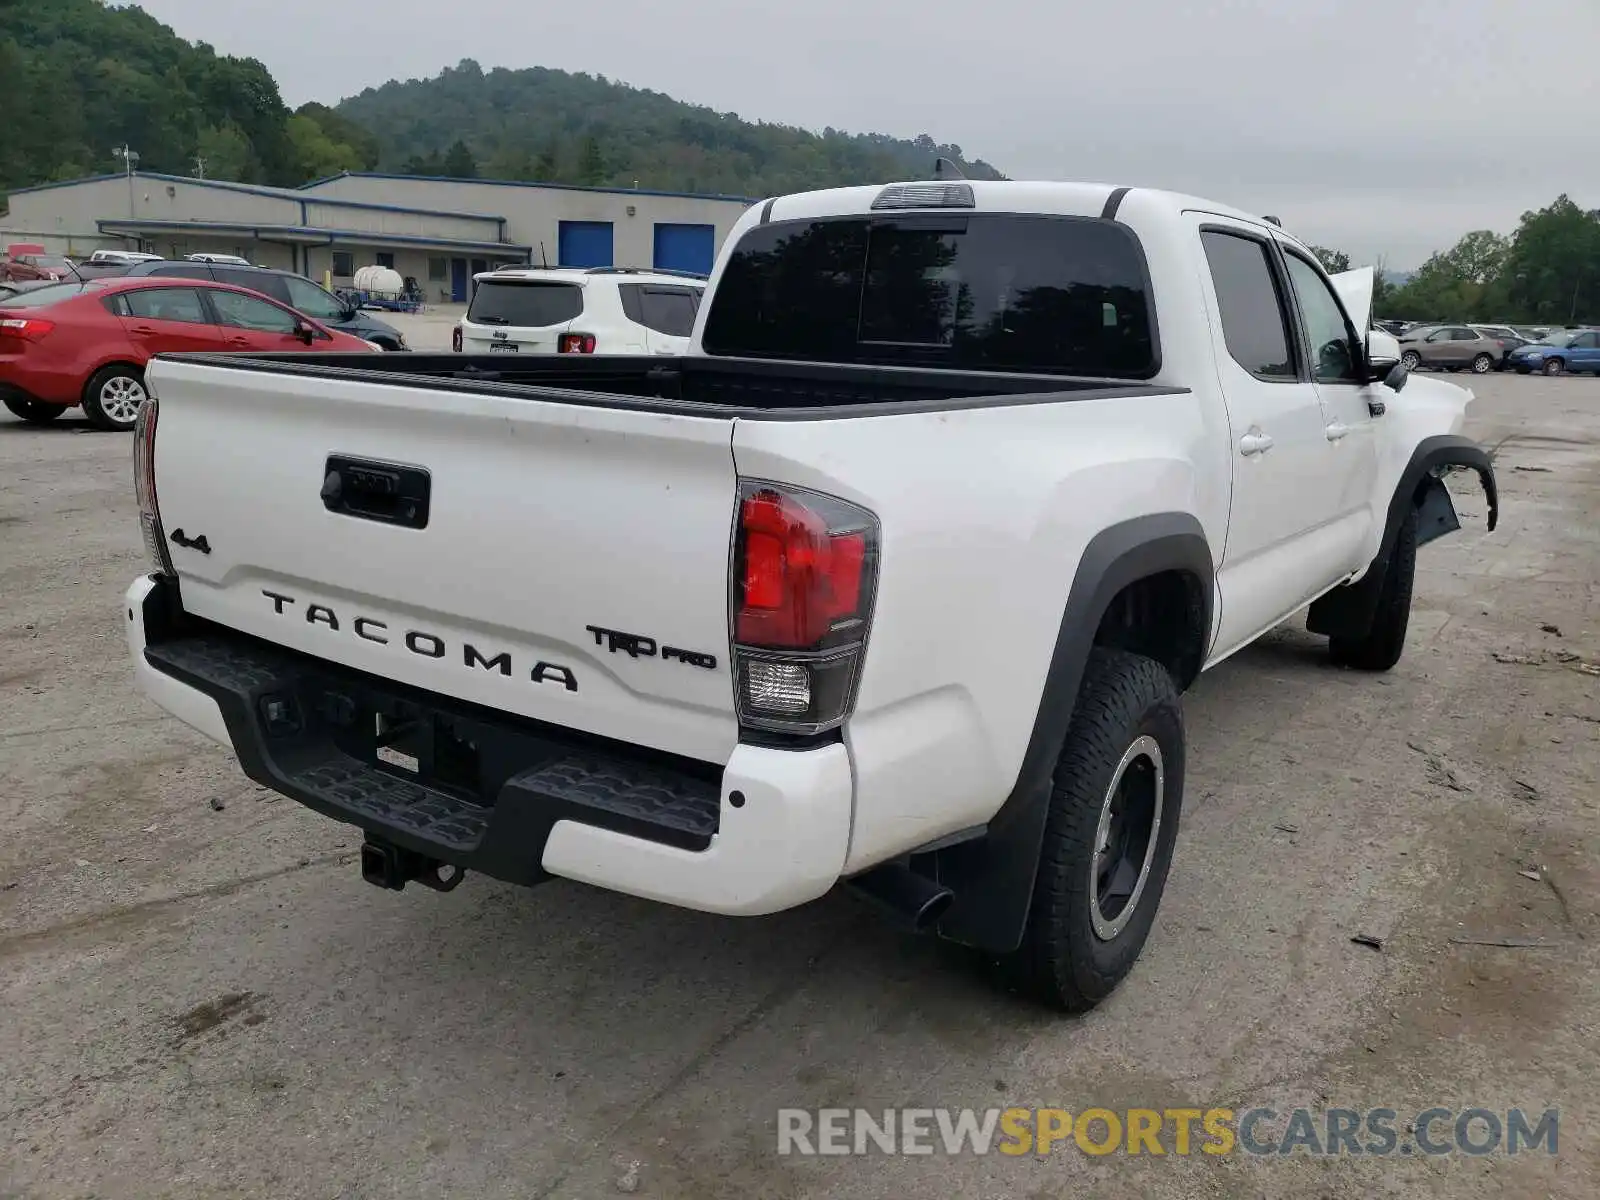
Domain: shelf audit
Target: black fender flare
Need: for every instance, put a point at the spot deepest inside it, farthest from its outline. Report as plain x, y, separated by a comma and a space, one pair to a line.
1347, 611
993, 875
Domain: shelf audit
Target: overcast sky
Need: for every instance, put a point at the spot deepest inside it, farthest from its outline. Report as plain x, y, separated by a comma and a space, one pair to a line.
1382, 127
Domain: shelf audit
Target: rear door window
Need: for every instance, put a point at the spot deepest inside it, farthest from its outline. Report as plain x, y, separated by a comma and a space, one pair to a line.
1254, 316
666, 310
526, 305
166, 304
978, 291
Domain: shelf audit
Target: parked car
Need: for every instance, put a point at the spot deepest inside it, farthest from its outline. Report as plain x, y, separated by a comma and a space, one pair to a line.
1574, 350
231, 260
88, 344
125, 258
1508, 338
894, 579
601, 310
285, 287
1450, 348
29, 264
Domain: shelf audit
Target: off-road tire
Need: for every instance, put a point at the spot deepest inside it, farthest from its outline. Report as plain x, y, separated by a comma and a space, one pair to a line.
34, 412
1384, 642
1062, 961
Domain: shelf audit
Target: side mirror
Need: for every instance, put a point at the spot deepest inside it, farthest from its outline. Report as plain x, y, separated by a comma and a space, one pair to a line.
1383, 360
304, 332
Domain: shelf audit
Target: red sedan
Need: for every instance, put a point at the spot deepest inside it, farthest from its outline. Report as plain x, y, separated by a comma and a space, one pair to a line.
87, 343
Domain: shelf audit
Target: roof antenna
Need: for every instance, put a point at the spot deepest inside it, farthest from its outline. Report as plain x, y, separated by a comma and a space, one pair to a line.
1273, 221
943, 168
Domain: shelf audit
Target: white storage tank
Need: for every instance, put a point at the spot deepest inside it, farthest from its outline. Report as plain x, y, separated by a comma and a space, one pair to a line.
382, 281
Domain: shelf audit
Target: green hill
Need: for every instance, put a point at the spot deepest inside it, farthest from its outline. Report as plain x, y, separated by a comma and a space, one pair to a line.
80, 77
561, 127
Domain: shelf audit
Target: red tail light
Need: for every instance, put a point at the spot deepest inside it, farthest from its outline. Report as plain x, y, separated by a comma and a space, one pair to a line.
576, 343
29, 329
801, 581
805, 573
455, 339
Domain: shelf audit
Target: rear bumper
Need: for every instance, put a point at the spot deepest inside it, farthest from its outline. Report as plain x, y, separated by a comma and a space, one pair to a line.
20, 380
510, 798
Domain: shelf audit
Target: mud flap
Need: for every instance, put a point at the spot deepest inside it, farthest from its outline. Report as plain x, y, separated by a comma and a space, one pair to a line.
1347, 611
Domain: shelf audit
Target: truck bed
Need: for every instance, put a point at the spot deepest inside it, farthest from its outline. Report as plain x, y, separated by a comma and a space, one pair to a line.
753, 389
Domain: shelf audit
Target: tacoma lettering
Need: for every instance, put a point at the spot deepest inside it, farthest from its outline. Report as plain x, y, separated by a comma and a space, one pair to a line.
425, 644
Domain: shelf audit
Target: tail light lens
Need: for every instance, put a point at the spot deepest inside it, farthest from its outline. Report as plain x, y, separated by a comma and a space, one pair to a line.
144, 484
576, 343
805, 571
28, 329
455, 339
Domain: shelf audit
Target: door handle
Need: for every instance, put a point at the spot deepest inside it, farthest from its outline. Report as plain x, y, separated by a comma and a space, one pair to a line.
1337, 430
1254, 442
238, 341
144, 329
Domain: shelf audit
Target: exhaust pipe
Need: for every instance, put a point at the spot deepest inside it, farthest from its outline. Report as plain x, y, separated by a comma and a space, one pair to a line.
910, 900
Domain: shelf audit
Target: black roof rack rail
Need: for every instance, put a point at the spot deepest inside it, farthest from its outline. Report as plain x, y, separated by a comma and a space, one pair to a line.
645, 271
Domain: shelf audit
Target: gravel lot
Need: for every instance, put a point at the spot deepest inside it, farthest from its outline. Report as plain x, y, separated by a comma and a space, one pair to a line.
201, 998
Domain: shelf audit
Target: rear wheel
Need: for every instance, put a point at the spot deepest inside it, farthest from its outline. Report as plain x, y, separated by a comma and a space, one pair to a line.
1554, 366
1482, 364
1381, 646
35, 412
1114, 805
114, 396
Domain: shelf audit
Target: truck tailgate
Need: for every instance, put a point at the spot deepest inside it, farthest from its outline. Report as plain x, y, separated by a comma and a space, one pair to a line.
573, 566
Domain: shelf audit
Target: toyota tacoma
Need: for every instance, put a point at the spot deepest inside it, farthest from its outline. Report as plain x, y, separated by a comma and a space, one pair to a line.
895, 580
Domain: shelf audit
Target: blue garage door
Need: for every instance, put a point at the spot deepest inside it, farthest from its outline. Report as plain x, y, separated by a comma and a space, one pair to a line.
585, 244
686, 248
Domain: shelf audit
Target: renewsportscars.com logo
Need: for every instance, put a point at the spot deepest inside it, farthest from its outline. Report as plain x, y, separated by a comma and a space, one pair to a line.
1261, 1131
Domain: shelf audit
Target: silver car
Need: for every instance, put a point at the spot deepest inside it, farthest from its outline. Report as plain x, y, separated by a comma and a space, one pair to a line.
1450, 348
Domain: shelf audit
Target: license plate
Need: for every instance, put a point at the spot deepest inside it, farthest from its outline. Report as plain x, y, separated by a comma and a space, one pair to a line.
504, 347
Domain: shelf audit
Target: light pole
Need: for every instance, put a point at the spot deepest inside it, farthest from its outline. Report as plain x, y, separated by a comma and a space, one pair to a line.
130, 159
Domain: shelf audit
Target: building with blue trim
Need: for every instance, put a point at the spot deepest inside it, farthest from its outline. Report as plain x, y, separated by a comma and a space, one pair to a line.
439, 231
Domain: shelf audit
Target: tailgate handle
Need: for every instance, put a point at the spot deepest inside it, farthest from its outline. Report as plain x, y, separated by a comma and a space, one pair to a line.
376, 491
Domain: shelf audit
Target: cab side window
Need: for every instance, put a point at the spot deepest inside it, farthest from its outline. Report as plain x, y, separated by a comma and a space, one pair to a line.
1254, 324
1328, 333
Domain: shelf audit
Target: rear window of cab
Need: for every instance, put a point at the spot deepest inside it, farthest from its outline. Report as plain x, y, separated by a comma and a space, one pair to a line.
969, 291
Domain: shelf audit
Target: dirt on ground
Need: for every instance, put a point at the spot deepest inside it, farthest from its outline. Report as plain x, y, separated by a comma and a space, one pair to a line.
200, 997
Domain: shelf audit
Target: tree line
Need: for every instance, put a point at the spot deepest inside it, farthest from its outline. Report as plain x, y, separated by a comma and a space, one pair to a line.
1545, 272
79, 79
545, 125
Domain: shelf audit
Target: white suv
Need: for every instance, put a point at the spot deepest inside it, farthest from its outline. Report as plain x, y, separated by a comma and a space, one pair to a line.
598, 310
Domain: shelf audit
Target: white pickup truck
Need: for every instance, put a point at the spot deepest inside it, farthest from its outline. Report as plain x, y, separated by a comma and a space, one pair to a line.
895, 580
